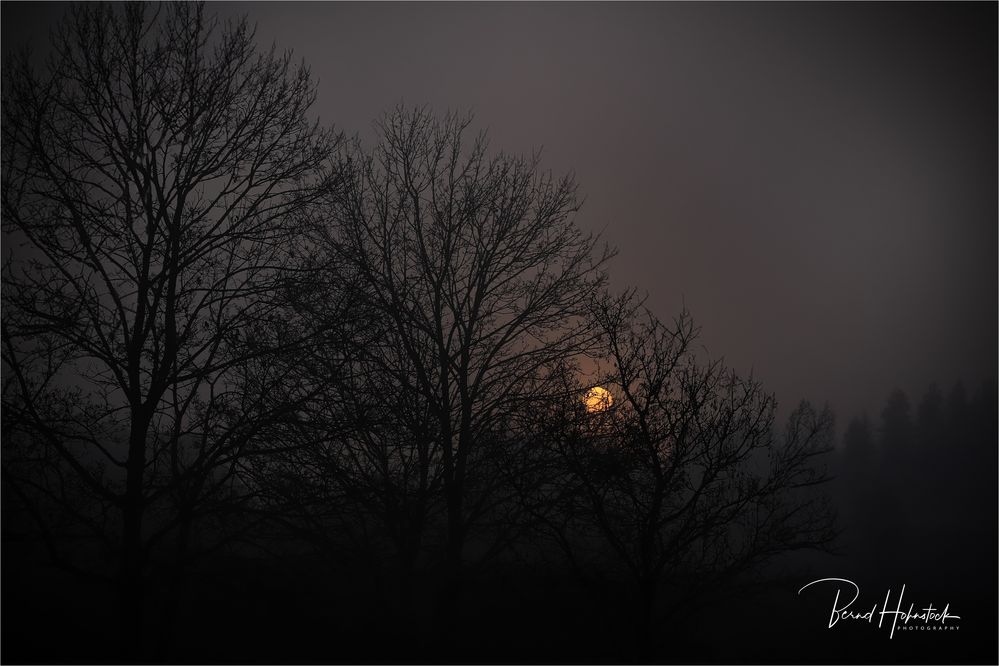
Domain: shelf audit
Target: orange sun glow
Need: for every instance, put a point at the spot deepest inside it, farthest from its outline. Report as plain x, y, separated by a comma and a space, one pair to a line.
597, 399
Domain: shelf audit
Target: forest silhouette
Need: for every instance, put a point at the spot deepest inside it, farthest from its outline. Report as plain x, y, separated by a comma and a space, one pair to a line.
274, 395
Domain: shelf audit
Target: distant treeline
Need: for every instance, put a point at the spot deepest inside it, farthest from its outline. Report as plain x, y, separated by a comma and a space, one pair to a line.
922, 478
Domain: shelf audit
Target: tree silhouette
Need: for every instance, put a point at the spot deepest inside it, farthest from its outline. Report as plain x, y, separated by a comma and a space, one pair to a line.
683, 479
355, 475
151, 175
857, 487
477, 278
945, 456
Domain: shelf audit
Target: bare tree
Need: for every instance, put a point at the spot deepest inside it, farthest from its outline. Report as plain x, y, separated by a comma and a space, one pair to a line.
153, 176
352, 477
682, 479
477, 279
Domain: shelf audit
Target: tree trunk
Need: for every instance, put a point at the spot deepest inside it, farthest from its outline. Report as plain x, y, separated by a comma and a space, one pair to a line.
175, 587
645, 630
449, 591
407, 567
131, 592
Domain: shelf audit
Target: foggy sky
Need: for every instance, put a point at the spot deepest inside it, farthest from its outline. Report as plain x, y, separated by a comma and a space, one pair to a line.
817, 182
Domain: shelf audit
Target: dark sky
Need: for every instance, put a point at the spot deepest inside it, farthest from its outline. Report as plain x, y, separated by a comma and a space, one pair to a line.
817, 182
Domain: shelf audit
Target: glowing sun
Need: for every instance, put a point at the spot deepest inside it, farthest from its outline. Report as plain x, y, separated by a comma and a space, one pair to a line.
597, 399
